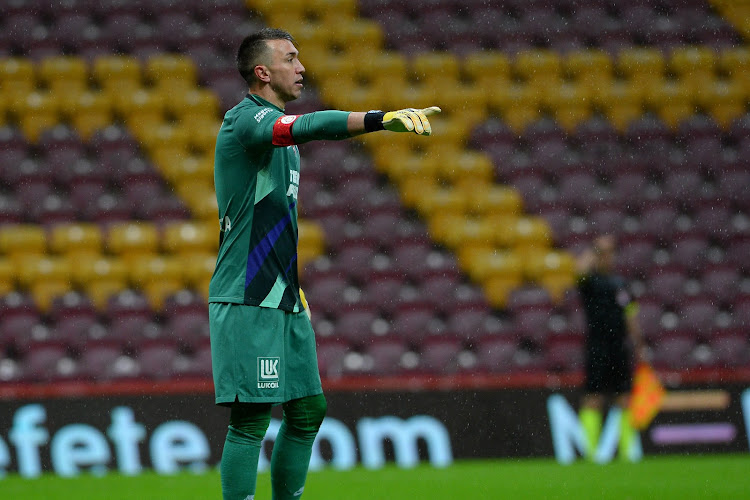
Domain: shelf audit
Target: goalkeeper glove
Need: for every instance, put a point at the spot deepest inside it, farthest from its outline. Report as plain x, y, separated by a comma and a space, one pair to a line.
403, 120
305, 304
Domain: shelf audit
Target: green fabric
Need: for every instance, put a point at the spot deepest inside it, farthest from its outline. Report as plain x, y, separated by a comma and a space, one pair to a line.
627, 436
262, 355
239, 465
291, 451
591, 421
248, 424
321, 125
257, 184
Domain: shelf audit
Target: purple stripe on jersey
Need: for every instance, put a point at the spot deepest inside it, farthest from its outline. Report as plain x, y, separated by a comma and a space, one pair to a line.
262, 249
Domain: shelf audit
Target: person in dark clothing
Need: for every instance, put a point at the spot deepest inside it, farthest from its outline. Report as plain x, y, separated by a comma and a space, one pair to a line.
613, 343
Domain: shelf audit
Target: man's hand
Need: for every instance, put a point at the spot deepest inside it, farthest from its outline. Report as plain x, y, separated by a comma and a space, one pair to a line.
410, 120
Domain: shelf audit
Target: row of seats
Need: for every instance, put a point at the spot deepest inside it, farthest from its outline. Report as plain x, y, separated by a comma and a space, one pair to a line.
35, 30
464, 27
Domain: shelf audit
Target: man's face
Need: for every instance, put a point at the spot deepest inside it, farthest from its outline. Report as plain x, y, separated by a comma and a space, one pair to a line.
605, 252
285, 70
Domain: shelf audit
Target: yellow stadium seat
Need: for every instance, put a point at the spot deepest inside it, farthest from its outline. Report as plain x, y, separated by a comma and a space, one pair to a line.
407, 165
346, 8
493, 199
356, 36
91, 111
117, 73
570, 103
540, 264
414, 187
724, 100
591, 68
183, 168
466, 168
38, 268
642, 64
434, 66
506, 229
497, 289
43, 293
193, 102
133, 239
470, 231
39, 111
698, 63
101, 291
487, 68
538, 65
148, 269
557, 285
194, 192
100, 278
443, 199
22, 239
100, 268
384, 64
171, 72
171, 136
518, 104
311, 236
363, 96
495, 264
197, 267
17, 79
735, 63
158, 277
64, 74
442, 224
673, 100
7, 276
81, 240
202, 204
532, 232
190, 237
139, 104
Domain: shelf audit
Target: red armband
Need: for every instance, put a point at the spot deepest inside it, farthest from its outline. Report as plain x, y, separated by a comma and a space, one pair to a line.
282, 130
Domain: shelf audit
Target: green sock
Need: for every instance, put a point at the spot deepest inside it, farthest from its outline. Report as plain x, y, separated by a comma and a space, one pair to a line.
289, 463
591, 420
239, 465
627, 435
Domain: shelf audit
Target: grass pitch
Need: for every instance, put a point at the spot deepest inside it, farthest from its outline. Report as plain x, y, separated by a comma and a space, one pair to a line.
670, 477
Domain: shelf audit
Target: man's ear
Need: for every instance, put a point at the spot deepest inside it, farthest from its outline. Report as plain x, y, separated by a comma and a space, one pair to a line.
261, 73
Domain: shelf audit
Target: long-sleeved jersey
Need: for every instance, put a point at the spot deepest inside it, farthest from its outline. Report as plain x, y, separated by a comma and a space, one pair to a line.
257, 175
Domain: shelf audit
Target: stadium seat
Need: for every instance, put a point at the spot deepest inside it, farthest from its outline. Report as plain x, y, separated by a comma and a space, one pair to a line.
331, 355
387, 355
46, 362
440, 355
674, 351
563, 353
496, 354
157, 359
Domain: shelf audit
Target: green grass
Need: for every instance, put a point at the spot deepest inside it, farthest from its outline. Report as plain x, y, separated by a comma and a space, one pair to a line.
673, 477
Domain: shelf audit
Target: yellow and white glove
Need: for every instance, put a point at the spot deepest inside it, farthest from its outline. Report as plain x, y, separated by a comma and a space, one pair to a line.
403, 120
305, 304
410, 120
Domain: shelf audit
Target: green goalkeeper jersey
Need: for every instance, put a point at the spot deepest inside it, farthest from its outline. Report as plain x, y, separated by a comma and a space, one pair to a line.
257, 175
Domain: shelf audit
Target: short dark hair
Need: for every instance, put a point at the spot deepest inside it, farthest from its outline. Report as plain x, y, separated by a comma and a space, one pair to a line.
254, 49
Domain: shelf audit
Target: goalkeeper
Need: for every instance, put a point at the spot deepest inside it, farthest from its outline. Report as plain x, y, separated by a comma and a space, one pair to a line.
262, 341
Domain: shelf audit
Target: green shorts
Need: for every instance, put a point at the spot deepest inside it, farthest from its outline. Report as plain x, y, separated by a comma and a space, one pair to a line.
262, 355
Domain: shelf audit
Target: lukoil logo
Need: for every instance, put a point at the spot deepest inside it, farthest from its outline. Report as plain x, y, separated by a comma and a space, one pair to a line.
268, 373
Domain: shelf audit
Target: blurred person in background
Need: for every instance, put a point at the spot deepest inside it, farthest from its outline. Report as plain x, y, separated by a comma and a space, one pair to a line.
262, 340
613, 343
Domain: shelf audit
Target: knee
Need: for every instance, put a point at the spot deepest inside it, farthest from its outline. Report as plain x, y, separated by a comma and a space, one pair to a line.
305, 415
250, 420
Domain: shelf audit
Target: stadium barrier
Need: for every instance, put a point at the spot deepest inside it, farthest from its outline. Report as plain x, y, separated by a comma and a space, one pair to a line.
175, 432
